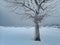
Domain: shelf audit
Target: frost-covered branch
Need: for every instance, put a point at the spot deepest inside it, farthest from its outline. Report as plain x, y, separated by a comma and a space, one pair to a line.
21, 3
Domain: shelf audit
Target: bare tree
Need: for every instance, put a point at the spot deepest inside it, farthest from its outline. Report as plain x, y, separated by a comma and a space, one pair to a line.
34, 9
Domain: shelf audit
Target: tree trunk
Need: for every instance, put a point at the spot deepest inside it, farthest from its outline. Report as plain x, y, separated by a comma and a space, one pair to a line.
37, 34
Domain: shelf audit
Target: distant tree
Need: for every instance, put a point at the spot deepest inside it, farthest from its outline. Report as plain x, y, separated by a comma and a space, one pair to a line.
35, 9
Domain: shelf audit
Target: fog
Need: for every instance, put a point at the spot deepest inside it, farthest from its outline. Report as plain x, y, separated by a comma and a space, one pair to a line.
8, 18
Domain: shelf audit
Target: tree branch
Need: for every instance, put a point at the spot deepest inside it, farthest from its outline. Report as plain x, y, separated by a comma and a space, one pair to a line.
29, 15
43, 8
23, 4
28, 7
32, 3
41, 4
36, 2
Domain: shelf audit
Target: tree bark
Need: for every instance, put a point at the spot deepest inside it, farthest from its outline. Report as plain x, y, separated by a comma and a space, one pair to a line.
37, 34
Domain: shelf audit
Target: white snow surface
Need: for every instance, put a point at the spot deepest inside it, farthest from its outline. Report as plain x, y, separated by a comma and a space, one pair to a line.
25, 36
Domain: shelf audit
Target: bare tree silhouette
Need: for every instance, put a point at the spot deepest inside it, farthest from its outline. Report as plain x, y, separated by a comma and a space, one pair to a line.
38, 8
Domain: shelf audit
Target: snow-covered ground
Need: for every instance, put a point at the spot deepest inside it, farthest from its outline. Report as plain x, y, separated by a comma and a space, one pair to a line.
25, 36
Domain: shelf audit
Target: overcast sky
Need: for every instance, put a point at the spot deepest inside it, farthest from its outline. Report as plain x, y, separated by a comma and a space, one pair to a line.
8, 18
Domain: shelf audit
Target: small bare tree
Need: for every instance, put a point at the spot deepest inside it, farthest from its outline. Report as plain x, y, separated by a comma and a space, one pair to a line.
35, 9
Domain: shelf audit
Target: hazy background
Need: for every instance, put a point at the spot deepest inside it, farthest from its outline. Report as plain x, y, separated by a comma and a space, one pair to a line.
8, 18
